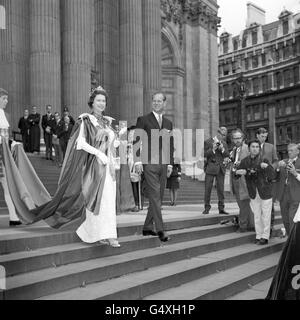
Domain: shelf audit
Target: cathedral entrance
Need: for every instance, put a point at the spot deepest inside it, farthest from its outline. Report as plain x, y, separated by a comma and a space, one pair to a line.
172, 79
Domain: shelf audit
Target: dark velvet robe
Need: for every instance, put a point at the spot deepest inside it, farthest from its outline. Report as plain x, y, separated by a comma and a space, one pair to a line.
286, 281
80, 185
81, 181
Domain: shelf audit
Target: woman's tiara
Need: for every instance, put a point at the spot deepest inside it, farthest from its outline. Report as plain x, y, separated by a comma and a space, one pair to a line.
98, 89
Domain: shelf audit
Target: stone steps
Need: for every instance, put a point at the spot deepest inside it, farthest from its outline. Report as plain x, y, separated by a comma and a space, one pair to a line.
228, 281
44, 263
33, 238
143, 284
22, 262
255, 292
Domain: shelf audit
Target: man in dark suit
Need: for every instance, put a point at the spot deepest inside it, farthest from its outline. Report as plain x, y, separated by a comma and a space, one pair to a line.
288, 186
215, 154
24, 127
47, 123
154, 133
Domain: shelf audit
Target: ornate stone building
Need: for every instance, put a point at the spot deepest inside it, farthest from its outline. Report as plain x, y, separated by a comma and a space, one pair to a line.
54, 51
265, 59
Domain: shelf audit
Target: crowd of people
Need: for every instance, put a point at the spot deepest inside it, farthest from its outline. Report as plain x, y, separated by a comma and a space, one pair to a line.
92, 177
257, 179
56, 132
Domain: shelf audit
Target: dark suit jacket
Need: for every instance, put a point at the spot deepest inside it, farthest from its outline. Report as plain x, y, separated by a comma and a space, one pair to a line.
62, 134
262, 181
269, 152
293, 183
157, 145
214, 163
48, 123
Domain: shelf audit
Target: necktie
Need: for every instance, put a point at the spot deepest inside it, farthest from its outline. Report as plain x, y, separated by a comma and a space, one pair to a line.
160, 120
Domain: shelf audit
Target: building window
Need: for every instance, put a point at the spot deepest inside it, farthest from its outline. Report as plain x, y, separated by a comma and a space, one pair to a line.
235, 45
264, 80
228, 116
254, 62
296, 74
266, 111
289, 134
285, 27
254, 38
235, 67
289, 106
222, 117
297, 104
226, 92
255, 85
246, 64
225, 46
248, 112
277, 56
278, 80
235, 92
257, 112
287, 78
263, 59
226, 69
248, 86
244, 41
278, 109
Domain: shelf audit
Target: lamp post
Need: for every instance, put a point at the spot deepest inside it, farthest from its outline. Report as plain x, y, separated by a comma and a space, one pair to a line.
241, 112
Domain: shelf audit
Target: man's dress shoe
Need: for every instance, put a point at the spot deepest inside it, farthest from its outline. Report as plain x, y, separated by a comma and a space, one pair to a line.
163, 237
149, 233
223, 212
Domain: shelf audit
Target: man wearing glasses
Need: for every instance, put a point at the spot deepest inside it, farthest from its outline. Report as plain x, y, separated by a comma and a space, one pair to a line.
215, 153
239, 187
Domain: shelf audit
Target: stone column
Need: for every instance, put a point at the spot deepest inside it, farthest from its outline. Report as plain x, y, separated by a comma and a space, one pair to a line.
77, 56
152, 50
14, 58
107, 50
131, 60
45, 63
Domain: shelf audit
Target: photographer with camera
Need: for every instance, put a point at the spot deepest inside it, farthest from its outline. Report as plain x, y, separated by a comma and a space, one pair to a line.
288, 186
216, 154
259, 174
238, 184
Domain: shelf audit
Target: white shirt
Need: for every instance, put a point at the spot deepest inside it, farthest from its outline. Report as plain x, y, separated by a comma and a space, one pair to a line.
158, 116
3, 121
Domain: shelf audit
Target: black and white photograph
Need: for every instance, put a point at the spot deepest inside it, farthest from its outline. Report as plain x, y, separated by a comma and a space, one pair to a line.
150, 151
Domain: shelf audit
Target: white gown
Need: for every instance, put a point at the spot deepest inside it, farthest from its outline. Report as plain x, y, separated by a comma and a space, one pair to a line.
103, 225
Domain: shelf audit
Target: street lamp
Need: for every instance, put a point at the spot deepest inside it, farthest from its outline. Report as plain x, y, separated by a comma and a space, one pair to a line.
241, 112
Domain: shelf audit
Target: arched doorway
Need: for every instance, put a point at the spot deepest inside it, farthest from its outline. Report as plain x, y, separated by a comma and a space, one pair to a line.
172, 78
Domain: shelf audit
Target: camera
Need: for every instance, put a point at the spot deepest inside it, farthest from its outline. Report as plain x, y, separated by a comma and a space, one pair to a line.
252, 172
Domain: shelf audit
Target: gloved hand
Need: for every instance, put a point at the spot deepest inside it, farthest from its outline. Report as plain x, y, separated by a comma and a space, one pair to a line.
102, 158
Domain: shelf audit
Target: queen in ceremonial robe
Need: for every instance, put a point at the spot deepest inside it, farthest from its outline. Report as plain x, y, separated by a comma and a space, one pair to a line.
86, 195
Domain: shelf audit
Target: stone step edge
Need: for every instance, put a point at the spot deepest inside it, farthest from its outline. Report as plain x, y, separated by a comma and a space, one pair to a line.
124, 287
49, 274
242, 276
